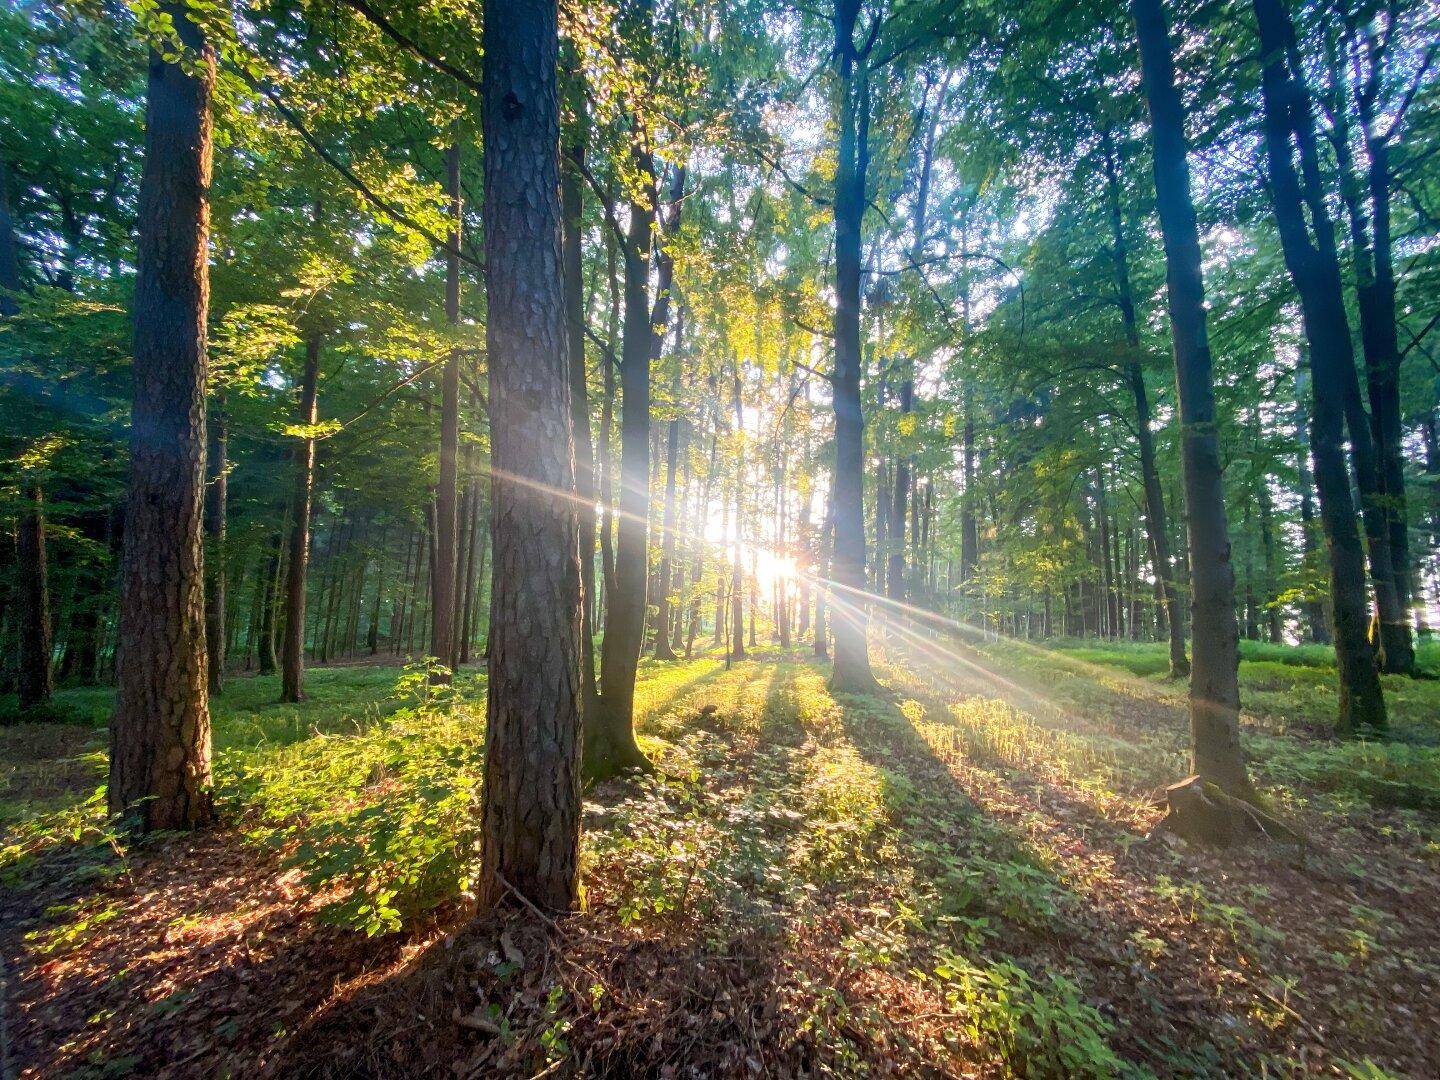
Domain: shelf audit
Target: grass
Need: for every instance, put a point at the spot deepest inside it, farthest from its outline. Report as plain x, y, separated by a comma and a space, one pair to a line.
947, 877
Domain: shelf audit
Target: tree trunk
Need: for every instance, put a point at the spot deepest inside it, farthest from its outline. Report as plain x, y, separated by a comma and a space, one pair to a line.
34, 683
442, 607
572, 207
610, 744
663, 648
530, 812
851, 670
1315, 270
160, 731
895, 574
292, 648
217, 466
1214, 687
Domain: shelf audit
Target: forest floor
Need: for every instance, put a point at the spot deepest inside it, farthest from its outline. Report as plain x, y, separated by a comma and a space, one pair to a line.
950, 879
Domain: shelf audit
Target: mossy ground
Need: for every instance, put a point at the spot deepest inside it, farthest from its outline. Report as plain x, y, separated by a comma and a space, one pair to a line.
949, 879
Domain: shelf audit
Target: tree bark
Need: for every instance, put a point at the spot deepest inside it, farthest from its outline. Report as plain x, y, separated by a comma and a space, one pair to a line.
572, 208
442, 608
160, 731
292, 648
663, 648
35, 683
895, 575
217, 466
610, 744
1214, 686
851, 670
1314, 268
530, 806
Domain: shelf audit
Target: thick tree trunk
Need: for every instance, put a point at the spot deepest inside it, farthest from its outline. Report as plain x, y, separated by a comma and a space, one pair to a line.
442, 607
1315, 270
160, 731
530, 811
292, 648
34, 682
217, 466
1214, 687
851, 671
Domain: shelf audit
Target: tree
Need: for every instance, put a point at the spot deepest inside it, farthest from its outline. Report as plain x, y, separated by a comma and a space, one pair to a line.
160, 732
1214, 688
530, 813
1314, 267
851, 672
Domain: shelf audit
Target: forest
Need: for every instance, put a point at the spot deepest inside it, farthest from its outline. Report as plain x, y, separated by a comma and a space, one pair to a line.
720, 538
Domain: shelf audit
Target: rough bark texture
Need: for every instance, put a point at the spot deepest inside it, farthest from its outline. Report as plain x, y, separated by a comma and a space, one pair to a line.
292, 648
34, 682
215, 508
1315, 270
531, 802
851, 671
1214, 688
160, 731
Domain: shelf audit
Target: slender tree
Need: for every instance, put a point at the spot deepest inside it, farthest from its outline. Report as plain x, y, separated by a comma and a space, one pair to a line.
1214, 685
1314, 266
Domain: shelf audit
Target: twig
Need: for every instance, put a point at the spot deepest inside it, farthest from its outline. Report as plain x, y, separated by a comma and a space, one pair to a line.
529, 904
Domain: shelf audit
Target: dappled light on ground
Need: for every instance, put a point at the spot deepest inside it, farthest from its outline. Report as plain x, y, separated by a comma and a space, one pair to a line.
950, 878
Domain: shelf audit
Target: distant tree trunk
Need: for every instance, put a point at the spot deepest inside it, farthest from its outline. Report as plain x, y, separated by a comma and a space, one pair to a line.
530, 806
269, 586
160, 731
292, 649
969, 528
663, 648
607, 424
821, 639
572, 208
1315, 271
895, 575
442, 607
217, 467
851, 671
34, 683
1214, 687
1154, 505
1316, 618
737, 571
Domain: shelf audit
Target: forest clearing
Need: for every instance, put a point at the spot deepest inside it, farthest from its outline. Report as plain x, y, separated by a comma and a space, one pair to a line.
720, 539
949, 878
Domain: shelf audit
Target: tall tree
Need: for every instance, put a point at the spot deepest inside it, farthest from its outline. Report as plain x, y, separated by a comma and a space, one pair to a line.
35, 681
1214, 686
292, 645
1311, 257
160, 732
447, 548
851, 671
530, 813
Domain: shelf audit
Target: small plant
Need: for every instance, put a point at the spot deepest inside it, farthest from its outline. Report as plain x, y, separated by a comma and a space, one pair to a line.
1038, 1029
